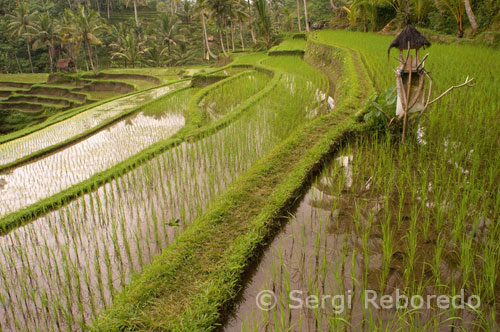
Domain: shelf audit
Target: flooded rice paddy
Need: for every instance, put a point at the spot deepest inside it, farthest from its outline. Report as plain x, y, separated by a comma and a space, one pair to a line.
359, 235
221, 101
40, 179
64, 268
78, 124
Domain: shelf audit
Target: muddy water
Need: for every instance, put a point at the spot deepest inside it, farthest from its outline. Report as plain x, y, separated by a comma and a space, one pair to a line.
78, 124
333, 245
43, 178
63, 269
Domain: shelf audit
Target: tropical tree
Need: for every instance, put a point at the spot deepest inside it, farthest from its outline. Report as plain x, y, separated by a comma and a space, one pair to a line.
421, 9
204, 12
129, 48
167, 29
155, 54
220, 11
457, 8
298, 15
263, 22
84, 29
21, 24
45, 34
134, 2
470, 15
306, 16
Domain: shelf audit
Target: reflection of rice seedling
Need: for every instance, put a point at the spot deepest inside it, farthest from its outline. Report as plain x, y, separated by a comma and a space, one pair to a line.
81, 160
428, 234
78, 124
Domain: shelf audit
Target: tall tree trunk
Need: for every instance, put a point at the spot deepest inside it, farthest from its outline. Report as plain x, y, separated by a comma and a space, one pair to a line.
98, 7
306, 17
298, 15
109, 5
232, 35
18, 64
135, 14
470, 15
222, 42
96, 55
204, 25
241, 37
51, 60
227, 38
29, 55
252, 33
89, 50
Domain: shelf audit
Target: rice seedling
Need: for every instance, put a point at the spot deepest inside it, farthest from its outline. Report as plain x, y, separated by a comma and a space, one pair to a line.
427, 237
40, 179
99, 240
219, 102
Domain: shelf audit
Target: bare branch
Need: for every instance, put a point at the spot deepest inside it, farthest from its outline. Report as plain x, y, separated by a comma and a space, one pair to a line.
422, 63
468, 82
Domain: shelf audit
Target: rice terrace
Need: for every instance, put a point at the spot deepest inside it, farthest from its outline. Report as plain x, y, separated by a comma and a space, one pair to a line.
250, 165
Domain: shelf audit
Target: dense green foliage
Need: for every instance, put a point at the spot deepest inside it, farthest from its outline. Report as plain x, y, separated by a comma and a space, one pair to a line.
104, 33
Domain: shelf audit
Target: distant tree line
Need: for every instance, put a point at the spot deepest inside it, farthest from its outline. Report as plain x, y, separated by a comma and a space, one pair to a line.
98, 33
447, 16
101, 33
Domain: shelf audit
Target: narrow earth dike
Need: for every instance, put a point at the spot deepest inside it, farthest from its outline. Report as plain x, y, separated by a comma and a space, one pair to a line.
192, 284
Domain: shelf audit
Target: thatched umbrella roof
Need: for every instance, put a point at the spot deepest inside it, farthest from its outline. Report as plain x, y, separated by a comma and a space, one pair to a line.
409, 35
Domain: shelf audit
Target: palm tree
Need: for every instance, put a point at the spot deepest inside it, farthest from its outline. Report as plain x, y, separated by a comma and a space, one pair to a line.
306, 16
204, 13
129, 48
84, 29
155, 54
298, 15
264, 24
127, 3
68, 43
456, 7
421, 8
220, 9
20, 24
167, 29
470, 15
45, 34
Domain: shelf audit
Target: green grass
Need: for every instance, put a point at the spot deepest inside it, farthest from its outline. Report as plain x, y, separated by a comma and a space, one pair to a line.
164, 73
24, 78
102, 95
290, 45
